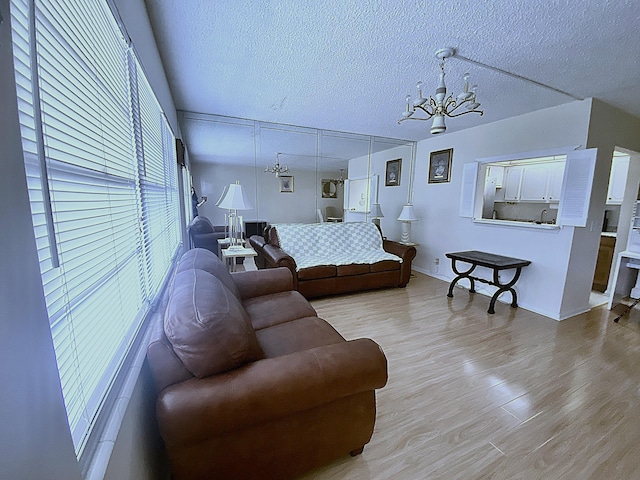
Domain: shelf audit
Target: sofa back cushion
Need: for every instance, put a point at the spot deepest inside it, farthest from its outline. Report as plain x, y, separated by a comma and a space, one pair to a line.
207, 326
203, 259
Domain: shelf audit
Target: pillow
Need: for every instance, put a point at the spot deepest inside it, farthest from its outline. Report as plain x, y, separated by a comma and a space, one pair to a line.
208, 261
207, 326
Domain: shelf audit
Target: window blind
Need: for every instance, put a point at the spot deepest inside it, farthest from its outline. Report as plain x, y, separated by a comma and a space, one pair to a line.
112, 207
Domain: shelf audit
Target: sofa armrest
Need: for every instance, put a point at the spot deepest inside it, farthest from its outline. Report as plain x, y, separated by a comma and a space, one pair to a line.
269, 389
407, 253
255, 283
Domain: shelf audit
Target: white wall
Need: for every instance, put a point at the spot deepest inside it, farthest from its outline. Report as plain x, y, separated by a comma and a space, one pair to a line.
609, 128
440, 229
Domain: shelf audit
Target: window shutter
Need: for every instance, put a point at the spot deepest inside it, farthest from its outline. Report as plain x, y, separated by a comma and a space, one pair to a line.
468, 189
576, 190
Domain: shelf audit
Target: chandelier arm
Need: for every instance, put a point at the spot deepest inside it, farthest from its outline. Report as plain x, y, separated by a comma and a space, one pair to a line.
464, 113
429, 109
413, 118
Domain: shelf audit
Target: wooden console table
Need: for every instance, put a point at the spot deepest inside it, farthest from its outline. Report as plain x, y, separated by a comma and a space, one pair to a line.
489, 260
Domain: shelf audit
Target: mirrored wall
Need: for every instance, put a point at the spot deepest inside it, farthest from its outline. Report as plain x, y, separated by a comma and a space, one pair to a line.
317, 170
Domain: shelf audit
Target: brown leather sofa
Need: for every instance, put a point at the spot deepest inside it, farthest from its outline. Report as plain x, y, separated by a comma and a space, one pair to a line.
328, 279
251, 383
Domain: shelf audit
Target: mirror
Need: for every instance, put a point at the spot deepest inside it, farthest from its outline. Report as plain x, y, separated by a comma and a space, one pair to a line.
320, 164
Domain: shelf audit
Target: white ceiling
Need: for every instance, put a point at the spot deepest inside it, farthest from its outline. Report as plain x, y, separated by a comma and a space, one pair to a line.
348, 65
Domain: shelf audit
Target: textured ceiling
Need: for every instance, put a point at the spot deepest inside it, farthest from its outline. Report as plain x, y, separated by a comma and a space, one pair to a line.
347, 66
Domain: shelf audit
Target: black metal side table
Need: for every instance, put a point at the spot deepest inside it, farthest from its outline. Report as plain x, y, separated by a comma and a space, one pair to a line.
489, 260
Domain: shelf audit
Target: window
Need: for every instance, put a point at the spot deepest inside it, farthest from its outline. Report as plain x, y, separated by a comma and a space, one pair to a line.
539, 189
102, 179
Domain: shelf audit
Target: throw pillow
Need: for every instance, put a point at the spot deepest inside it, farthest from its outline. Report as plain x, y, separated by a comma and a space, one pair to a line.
208, 326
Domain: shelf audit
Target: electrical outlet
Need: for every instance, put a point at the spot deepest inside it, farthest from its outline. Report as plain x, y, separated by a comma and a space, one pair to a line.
437, 261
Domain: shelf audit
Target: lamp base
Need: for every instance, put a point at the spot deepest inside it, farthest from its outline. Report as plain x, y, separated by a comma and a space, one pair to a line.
405, 236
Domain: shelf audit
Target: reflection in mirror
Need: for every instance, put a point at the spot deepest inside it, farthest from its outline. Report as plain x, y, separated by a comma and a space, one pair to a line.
223, 150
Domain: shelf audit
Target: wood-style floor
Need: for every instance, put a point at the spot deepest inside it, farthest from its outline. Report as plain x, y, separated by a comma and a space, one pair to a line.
507, 396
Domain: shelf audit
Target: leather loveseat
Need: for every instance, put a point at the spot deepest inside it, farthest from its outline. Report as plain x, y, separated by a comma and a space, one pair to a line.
332, 258
251, 383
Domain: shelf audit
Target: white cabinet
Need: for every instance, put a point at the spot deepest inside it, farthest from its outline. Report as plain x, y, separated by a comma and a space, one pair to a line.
556, 175
497, 172
534, 183
540, 182
617, 180
513, 176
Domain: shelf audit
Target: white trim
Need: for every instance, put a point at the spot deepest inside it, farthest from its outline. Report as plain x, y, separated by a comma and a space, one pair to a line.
526, 155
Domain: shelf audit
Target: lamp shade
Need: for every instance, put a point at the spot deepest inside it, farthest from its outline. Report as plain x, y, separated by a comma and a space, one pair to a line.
235, 198
407, 214
376, 211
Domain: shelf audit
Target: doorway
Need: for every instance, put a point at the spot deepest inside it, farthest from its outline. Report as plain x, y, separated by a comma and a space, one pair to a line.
622, 193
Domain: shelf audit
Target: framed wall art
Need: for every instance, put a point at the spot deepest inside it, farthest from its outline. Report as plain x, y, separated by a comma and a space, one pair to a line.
286, 184
440, 166
329, 188
392, 173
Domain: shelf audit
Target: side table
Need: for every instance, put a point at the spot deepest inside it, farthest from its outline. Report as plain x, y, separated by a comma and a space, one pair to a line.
224, 243
489, 260
230, 254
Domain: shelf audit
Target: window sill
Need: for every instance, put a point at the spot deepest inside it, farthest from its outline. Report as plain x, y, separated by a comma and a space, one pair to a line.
514, 223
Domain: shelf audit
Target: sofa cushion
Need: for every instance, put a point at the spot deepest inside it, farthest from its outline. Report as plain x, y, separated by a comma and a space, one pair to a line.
207, 326
281, 307
384, 266
353, 269
320, 271
203, 259
296, 336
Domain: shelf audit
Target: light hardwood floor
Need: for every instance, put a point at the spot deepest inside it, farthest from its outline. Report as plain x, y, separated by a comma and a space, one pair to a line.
507, 396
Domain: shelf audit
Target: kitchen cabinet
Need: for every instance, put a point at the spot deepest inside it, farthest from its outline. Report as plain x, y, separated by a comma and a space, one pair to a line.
513, 176
497, 172
540, 182
617, 180
556, 175
603, 263
534, 182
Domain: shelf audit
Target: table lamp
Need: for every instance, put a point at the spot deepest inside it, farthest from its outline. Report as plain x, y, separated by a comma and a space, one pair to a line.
235, 199
376, 213
407, 215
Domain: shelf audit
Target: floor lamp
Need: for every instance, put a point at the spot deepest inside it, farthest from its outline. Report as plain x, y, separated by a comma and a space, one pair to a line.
407, 215
235, 199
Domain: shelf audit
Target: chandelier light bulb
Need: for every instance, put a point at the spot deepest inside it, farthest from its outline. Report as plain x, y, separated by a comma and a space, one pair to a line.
420, 100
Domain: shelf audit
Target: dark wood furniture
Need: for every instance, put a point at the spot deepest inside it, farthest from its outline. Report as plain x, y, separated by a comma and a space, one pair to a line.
603, 263
489, 260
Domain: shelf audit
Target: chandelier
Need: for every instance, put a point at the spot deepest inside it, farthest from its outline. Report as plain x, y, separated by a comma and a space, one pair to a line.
441, 106
277, 169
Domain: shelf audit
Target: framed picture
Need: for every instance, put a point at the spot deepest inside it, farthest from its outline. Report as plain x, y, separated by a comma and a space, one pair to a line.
392, 175
286, 184
329, 188
440, 166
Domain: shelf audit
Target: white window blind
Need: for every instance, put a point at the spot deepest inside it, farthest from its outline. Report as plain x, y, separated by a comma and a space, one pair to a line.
114, 223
